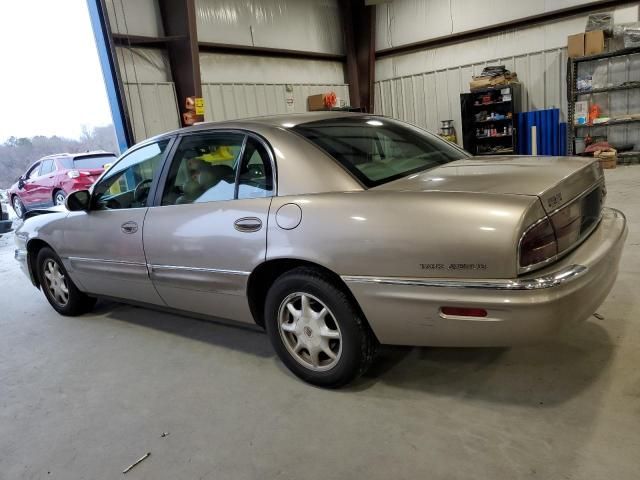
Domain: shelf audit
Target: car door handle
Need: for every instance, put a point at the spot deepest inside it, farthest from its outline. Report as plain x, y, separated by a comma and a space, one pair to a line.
248, 224
129, 227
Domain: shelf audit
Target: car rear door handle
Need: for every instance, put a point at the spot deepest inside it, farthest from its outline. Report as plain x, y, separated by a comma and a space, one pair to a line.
129, 227
248, 224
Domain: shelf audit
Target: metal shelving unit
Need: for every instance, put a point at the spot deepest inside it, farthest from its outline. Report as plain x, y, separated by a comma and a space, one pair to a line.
472, 104
627, 85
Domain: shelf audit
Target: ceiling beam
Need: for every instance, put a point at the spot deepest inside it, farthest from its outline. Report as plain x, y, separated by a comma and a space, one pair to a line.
210, 47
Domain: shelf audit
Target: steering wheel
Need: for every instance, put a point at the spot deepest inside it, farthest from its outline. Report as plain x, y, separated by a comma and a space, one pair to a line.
141, 191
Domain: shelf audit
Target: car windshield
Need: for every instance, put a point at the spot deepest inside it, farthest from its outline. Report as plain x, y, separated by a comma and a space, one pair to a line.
377, 150
94, 161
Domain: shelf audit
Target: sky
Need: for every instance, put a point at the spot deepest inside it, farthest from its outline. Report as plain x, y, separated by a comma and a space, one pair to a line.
50, 77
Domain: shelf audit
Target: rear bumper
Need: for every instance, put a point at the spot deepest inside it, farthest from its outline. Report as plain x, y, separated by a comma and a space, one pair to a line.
407, 311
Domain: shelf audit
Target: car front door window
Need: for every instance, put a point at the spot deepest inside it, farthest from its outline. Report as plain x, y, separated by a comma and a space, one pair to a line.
34, 172
128, 182
204, 169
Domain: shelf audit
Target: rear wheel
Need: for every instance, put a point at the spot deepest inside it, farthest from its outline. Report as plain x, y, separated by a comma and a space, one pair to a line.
18, 207
316, 330
58, 197
58, 288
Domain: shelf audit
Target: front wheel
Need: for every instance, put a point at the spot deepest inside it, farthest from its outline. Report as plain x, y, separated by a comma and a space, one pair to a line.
18, 207
316, 329
58, 288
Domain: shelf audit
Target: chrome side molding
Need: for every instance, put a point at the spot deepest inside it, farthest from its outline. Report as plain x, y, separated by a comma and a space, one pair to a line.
153, 268
564, 275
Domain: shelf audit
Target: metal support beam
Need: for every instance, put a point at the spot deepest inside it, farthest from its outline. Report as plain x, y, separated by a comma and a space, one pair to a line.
267, 52
179, 22
359, 39
108, 59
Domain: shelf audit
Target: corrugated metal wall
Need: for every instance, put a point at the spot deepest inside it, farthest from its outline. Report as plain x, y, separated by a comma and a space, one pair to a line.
135, 17
229, 68
226, 101
150, 93
402, 22
427, 98
152, 108
309, 25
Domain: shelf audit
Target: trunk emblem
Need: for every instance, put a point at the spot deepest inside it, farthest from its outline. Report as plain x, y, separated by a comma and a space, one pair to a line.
555, 200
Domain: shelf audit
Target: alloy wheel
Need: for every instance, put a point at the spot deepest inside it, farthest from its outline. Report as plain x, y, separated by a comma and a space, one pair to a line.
56, 283
59, 198
17, 206
309, 331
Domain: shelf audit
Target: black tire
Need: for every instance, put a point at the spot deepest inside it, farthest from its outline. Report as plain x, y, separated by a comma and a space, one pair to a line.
358, 344
20, 211
56, 194
77, 302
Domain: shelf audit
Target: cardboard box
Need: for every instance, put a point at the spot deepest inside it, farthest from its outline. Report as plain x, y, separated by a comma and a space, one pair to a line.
594, 42
575, 45
316, 102
608, 161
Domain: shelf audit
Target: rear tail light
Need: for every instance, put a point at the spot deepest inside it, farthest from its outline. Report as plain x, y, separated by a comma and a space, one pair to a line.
567, 224
538, 244
76, 174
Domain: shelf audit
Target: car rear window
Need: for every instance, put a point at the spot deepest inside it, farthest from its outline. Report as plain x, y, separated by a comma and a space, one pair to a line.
377, 150
95, 161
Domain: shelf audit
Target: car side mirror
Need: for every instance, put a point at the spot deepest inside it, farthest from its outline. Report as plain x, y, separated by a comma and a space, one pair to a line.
78, 201
20, 183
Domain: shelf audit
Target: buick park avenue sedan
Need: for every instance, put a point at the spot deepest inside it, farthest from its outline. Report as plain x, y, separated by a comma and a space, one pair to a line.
336, 232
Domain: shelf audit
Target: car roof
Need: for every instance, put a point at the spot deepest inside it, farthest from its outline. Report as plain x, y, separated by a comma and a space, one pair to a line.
287, 119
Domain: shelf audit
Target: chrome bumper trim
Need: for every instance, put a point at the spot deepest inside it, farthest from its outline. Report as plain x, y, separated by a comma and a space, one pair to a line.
560, 277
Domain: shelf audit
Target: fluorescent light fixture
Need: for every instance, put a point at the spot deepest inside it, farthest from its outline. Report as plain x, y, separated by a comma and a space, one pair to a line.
360, 219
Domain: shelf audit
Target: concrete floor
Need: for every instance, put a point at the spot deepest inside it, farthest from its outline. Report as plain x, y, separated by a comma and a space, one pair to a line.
85, 397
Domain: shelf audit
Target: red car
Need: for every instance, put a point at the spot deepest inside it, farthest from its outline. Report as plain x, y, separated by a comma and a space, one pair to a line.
48, 181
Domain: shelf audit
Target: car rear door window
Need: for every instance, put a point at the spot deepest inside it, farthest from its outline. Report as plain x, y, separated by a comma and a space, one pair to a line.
255, 178
204, 169
128, 182
48, 166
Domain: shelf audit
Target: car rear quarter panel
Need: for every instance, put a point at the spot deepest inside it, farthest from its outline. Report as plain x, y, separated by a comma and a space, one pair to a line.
404, 234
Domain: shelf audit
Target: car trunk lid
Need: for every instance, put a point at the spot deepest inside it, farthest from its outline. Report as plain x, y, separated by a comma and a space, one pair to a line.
555, 180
